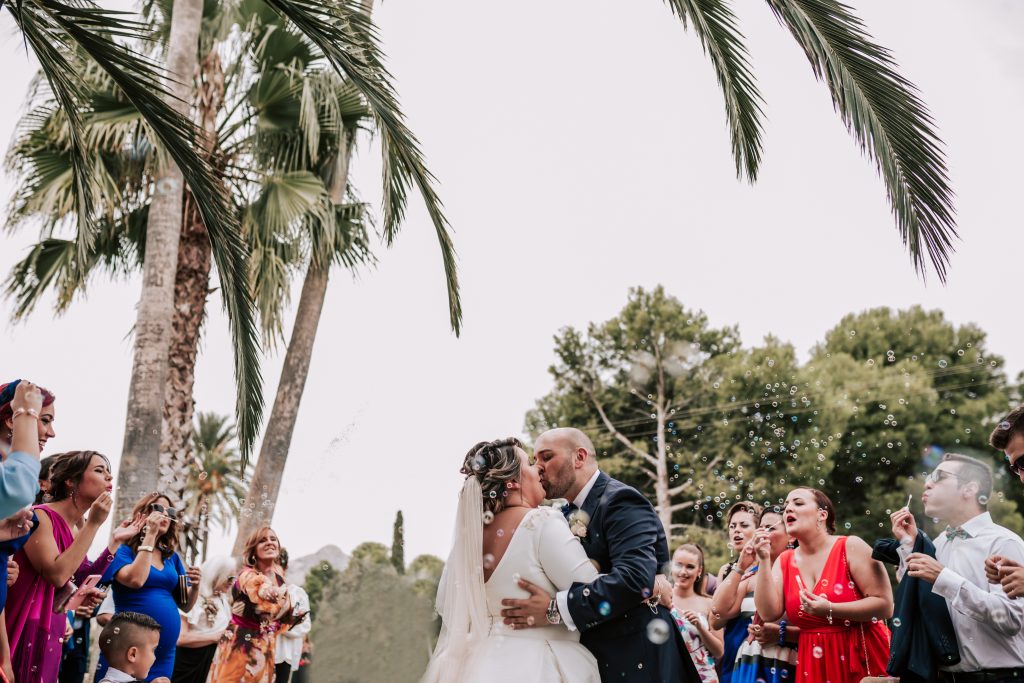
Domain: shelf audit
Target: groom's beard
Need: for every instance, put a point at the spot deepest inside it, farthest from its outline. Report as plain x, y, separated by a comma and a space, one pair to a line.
557, 488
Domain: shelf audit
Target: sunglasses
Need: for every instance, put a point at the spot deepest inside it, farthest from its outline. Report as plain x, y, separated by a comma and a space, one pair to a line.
170, 513
1016, 467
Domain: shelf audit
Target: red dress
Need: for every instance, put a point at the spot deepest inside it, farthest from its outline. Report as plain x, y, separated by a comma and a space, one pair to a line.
841, 652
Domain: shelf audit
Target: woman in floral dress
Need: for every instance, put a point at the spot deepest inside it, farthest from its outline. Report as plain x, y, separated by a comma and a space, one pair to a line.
261, 609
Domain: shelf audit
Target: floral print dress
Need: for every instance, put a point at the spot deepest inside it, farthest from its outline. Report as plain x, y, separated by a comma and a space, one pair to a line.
246, 654
702, 659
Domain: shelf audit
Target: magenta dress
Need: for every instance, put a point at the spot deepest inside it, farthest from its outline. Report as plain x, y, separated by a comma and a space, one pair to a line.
35, 633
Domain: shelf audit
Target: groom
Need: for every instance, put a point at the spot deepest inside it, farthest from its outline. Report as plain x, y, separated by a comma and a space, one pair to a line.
621, 533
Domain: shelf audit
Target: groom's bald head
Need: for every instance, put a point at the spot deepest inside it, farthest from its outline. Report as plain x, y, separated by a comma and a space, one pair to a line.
566, 460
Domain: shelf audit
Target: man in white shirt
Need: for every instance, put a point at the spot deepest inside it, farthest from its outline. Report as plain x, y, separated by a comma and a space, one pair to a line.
987, 622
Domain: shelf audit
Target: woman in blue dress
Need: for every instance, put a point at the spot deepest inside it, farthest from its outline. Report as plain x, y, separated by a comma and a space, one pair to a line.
145, 579
733, 605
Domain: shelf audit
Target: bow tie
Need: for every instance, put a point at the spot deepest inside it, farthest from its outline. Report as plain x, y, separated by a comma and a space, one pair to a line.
569, 508
952, 533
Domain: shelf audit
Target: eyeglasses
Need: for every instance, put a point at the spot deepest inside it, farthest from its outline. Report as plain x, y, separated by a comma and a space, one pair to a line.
938, 475
171, 513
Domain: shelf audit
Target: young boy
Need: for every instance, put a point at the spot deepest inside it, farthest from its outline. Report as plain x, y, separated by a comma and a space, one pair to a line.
128, 642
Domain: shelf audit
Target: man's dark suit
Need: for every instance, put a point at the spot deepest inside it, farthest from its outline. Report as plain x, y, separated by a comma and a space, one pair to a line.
626, 538
924, 639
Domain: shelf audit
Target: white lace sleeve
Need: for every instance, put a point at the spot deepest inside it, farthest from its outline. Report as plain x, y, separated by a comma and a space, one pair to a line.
561, 555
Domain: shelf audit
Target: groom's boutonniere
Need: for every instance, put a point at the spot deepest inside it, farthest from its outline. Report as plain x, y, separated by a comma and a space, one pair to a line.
578, 521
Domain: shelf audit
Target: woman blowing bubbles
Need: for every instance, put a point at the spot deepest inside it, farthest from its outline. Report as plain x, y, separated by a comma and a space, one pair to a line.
831, 589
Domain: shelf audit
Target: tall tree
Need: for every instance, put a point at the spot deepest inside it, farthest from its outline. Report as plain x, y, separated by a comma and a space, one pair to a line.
398, 544
333, 172
627, 378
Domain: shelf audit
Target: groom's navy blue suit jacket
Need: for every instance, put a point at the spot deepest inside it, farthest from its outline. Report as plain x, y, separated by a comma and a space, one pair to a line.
626, 539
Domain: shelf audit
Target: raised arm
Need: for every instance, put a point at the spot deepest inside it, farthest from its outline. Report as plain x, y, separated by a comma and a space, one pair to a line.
19, 472
57, 567
728, 599
768, 589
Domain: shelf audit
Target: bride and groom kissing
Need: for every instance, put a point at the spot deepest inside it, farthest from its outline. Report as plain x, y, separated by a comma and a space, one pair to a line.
526, 596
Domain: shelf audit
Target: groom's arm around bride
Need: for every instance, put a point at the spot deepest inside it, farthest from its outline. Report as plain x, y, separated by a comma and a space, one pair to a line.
625, 538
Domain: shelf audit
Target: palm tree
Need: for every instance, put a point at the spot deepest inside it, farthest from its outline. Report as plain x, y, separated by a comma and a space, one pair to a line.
58, 34
362, 62
217, 482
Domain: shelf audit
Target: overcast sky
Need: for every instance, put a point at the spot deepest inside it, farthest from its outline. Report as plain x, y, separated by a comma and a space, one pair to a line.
580, 149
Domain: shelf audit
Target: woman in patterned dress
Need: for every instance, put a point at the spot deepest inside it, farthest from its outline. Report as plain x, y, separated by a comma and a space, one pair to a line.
261, 609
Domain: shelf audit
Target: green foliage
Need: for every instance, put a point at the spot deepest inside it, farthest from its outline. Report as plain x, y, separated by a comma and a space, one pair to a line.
321, 581
873, 408
371, 554
398, 545
386, 623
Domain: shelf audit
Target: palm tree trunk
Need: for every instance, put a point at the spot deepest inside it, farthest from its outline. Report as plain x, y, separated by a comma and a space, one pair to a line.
191, 288
138, 472
258, 507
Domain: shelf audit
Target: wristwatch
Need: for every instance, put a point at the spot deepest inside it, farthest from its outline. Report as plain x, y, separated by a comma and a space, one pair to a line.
553, 616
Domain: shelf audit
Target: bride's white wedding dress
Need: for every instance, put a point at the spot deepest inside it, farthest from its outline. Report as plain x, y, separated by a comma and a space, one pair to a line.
474, 644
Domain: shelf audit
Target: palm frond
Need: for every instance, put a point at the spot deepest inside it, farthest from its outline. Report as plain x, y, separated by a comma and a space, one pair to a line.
94, 31
718, 31
347, 37
53, 47
892, 125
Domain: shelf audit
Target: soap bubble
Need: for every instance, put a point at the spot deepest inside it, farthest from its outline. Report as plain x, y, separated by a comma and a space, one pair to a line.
657, 631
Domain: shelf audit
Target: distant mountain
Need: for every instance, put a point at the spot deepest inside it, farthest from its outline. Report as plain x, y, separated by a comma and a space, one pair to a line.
299, 566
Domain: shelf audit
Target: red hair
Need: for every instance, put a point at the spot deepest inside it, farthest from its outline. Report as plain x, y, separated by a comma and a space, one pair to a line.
7, 413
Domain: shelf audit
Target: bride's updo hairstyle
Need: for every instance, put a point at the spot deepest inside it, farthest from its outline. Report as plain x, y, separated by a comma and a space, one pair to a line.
494, 464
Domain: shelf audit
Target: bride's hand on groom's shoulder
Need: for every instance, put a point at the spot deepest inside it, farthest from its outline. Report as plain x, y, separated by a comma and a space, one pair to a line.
529, 612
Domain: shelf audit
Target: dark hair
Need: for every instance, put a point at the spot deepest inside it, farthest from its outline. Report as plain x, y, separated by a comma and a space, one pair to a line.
70, 467
123, 631
7, 395
972, 469
744, 506
495, 464
698, 585
1012, 425
168, 541
45, 466
824, 503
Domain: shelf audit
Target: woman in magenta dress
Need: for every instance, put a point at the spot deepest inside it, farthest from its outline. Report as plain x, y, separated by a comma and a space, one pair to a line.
831, 589
80, 482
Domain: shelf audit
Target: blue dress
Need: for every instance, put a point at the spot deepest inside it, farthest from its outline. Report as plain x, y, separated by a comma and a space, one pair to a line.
154, 599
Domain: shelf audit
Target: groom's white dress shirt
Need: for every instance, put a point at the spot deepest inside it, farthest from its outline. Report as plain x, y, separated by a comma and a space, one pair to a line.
987, 622
562, 598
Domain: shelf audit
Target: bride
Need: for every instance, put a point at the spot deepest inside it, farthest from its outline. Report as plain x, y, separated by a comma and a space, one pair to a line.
501, 535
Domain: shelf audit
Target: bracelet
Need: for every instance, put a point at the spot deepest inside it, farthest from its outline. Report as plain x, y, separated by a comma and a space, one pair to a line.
25, 411
149, 549
782, 633
830, 612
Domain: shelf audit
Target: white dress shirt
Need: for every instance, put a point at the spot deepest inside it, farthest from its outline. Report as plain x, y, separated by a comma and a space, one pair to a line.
117, 676
562, 597
987, 623
289, 643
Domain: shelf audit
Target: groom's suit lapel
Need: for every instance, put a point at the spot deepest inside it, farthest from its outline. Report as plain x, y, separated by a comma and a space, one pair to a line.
593, 500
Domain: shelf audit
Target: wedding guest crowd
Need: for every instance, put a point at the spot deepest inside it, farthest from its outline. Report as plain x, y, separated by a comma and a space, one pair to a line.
796, 603
161, 620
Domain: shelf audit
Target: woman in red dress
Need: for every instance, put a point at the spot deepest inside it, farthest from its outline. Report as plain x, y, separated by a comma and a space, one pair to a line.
832, 589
